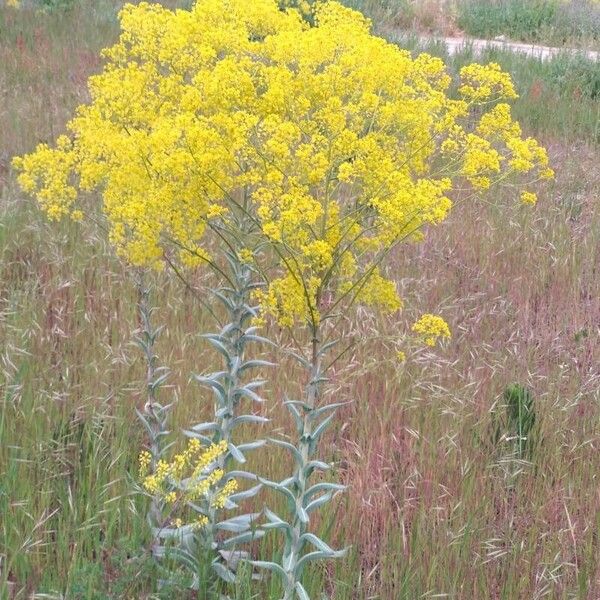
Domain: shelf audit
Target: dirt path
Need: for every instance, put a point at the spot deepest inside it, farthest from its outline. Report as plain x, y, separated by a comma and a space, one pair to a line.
455, 45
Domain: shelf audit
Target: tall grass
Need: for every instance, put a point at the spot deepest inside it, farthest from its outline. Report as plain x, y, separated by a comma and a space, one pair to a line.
432, 510
556, 22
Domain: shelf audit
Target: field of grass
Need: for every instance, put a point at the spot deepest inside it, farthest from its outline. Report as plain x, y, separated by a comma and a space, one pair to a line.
439, 505
574, 23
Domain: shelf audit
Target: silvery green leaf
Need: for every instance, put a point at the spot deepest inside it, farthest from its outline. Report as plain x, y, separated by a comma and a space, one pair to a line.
305, 363
255, 419
216, 375
318, 543
228, 504
249, 393
250, 337
289, 481
316, 434
220, 347
223, 572
297, 416
302, 594
235, 452
270, 566
238, 524
316, 464
145, 423
251, 310
279, 488
327, 347
286, 527
319, 411
243, 538
251, 445
323, 487
199, 509
299, 404
317, 555
159, 550
203, 427
249, 493
158, 381
276, 522
177, 533
302, 514
273, 517
225, 300
213, 383
183, 557
317, 502
234, 263
295, 452
224, 411
216, 336
253, 385
226, 332
192, 434
242, 474
233, 557
255, 364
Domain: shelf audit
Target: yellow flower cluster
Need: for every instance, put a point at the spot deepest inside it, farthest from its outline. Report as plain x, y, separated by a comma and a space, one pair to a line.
338, 144
483, 83
430, 328
145, 459
189, 476
528, 198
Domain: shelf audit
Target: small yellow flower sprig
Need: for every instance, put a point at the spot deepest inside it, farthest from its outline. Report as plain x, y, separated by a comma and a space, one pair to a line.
430, 328
189, 477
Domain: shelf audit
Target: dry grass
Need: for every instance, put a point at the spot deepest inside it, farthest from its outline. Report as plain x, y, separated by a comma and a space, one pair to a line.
434, 508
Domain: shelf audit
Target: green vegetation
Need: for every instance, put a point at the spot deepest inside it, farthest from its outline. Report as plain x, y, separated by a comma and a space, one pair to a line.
549, 21
574, 23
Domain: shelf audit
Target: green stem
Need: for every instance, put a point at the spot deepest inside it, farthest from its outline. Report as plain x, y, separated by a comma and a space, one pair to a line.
155, 415
224, 430
312, 395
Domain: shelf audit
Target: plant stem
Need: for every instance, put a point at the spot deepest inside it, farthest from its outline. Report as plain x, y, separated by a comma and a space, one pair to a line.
155, 415
299, 525
225, 412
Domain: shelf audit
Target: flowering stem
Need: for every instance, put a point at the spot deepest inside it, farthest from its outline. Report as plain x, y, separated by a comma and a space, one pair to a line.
229, 387
312, 419
154, 416
300, 524
225, 408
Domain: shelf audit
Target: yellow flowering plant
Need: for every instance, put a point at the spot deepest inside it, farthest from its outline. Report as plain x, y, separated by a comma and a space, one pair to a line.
188, 477
322, 145
179, 485
154, 416
430, 328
